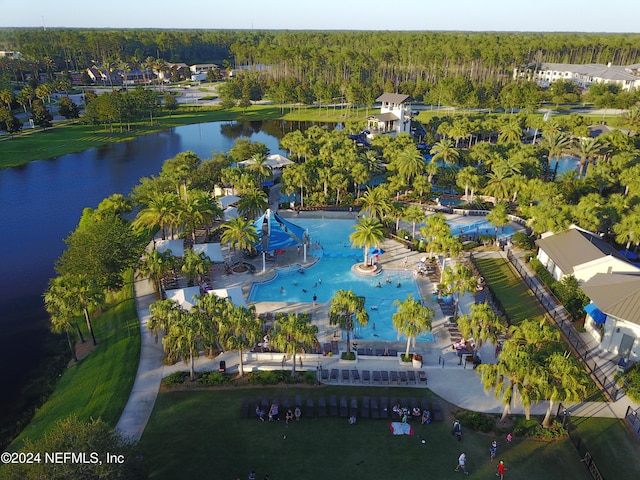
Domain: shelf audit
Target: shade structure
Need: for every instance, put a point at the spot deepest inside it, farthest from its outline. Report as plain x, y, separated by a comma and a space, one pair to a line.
176, 247
233, 294
274, 232
184, 296
211, 250
376, 251
595, 313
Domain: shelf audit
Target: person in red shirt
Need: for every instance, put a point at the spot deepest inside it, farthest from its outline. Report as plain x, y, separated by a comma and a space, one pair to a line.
501, 469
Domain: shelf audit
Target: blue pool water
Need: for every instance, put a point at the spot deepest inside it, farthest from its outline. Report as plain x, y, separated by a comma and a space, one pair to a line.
481, 227
333, 272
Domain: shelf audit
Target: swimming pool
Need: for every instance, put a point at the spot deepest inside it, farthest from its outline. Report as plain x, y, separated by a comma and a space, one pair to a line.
333, 272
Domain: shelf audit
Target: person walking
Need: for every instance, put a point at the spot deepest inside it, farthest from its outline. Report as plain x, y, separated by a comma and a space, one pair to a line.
501, 470
462, 459
493, 450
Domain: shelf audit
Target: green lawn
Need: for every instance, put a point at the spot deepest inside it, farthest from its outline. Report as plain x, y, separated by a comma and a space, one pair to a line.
99, 385
515, 297
208, 439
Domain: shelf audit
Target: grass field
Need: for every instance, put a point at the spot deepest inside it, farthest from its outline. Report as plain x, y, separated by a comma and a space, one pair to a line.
516, 298
99, 385
199, 434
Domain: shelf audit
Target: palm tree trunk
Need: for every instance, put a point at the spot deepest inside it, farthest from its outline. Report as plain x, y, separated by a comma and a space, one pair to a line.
71, 346
293, 367
82, 340
406, 352
90, 326
240, 363
546, 423
191, 366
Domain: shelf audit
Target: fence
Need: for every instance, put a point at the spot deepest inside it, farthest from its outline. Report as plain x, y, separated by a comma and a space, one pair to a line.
559, 315
563, 416
632, 417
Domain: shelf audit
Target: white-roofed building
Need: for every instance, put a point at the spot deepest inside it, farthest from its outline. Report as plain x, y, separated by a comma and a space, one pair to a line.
544, 74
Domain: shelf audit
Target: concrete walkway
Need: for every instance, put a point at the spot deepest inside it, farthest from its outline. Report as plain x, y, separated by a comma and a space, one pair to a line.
459, 385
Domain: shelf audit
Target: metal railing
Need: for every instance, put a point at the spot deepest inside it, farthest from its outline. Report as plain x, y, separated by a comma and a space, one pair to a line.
562, 415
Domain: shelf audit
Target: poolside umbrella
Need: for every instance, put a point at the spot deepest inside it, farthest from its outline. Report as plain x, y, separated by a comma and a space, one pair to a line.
376, 251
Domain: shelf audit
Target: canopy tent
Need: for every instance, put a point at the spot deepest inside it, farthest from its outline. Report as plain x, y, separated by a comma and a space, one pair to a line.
230, 212
211, 250
233, 294
595, 313
274, 232
184, 296
274, 161
227, 200
176, 247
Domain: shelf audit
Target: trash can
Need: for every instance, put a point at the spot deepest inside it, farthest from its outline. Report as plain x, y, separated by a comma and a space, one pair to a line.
223, 366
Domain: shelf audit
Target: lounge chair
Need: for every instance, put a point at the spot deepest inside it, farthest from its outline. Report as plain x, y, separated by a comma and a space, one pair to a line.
436, 411
384, 407
366, 376
285, 404
411, 375
353, 407
376, 376
355, 376
308, 407
364, 411
394, 377
425, 404
298, 401
344, 407
324, 375
333, 406
245, 411
345, 376
322, 407
422, 376
334, 375
403, 377
384, 377
392, 403
375, 409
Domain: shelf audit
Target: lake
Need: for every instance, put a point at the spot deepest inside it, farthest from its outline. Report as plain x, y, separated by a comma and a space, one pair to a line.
41, 203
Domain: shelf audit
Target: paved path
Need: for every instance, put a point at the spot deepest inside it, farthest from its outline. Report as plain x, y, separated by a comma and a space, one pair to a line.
457, 384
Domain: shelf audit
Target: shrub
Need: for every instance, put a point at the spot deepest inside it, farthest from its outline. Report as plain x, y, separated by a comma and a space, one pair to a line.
522, 240
175, 379
469, 245
309, 377
267, 377
475, 420
533, 429
417, 357
405, 357
348, 356
214, 378
632, 383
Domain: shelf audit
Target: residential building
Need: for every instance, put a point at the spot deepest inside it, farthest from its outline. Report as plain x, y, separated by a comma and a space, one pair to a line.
544, 74
394, 116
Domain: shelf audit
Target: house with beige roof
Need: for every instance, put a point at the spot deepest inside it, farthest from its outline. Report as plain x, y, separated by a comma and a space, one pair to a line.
582, 254
394, 116
613, 316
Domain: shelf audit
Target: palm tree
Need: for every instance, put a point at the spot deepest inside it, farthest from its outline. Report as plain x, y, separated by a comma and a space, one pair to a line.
458, 280
259, 168
197, 210
240, 234
195, 265
87, 293
216, 311
240, 329
628, 229
161, 210
413, 214
292, 334
510, 132
156, 265
368, 233
587, 149
557, 144
515, 378
253, 203
184, 339
468, 179
296, 175
410, 163
445, 150
346, 310
564, 380
482, 324
499, 216
164, 313
411, 319
60, 303
376, 202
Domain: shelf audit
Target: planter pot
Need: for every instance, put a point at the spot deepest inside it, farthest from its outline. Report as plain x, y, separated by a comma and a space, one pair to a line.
402, 362
416, 363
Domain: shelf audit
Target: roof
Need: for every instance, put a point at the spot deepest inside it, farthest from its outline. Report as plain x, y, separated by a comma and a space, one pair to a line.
597, 70
274, 232
575, 247
384, 117
615, 294
392, 98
